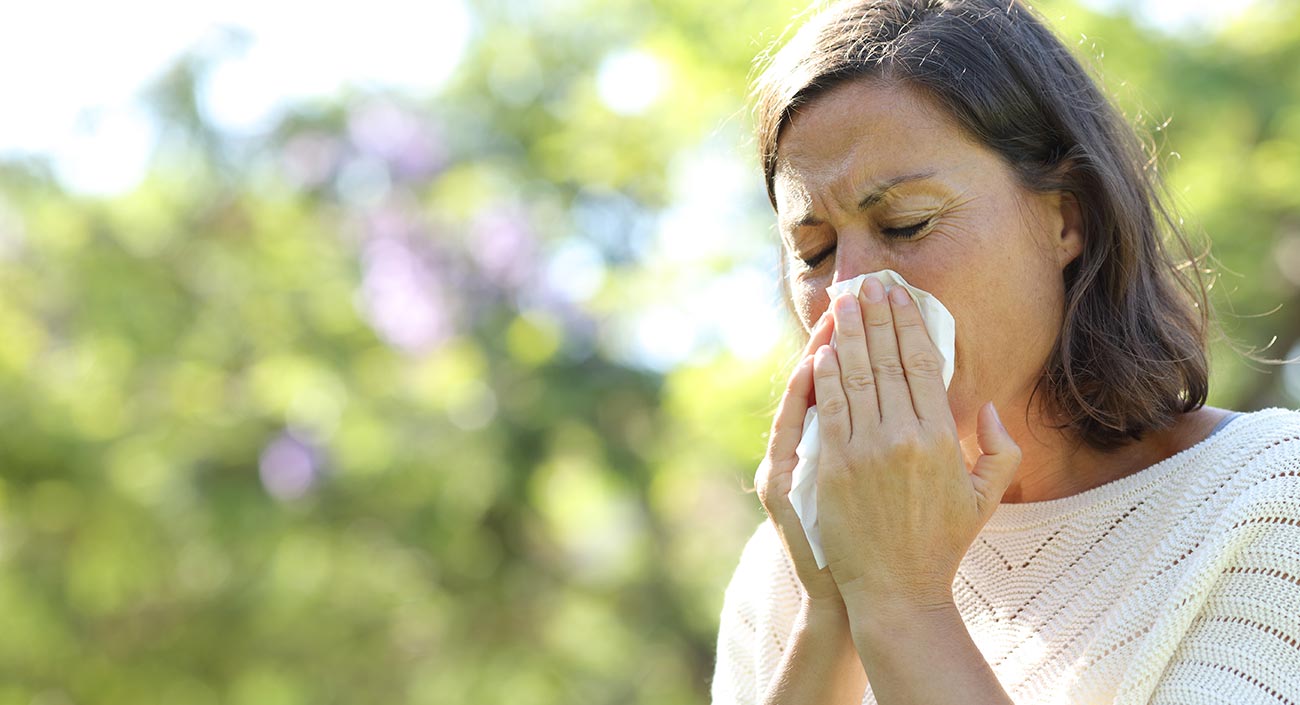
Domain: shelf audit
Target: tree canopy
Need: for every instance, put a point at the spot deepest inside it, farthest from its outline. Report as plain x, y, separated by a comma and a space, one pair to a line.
438, 399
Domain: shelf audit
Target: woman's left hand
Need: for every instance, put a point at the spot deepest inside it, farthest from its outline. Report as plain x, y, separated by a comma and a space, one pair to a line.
898, 506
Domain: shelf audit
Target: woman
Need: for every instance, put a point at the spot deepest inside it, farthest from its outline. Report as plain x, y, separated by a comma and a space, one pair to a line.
1112, 539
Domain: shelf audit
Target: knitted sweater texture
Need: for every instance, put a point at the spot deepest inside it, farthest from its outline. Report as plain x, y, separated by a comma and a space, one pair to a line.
1177, 584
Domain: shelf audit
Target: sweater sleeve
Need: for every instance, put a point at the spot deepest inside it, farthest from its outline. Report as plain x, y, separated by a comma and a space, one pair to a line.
758, 612
1242, 647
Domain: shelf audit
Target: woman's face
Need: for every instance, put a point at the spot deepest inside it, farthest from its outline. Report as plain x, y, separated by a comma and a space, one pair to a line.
874, 175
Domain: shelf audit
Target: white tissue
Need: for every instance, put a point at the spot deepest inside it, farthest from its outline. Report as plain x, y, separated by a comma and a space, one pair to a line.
803, 489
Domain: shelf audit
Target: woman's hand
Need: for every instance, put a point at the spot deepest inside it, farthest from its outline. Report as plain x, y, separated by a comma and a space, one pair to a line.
897, 505
773, 478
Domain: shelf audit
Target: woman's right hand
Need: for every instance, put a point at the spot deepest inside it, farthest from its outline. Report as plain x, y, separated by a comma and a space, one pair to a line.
773, 478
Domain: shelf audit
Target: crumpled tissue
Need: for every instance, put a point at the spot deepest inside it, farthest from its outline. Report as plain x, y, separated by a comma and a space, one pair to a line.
803, 489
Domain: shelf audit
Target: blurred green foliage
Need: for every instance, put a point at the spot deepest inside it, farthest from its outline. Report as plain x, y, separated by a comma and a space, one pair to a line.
311, 416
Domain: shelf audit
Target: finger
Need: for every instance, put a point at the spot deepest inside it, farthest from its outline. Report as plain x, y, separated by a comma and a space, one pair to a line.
999, 459
922, 363
891, 384
792, 534
789, 528
773, 475
855, 364
821, 334
832, 406
787, 425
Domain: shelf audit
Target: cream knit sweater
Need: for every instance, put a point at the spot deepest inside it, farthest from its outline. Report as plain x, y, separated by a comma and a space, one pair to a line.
1177, 584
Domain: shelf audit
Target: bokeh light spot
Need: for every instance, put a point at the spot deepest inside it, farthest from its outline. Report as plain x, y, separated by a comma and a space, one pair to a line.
288, 468
475, 408
533, 338
630, 81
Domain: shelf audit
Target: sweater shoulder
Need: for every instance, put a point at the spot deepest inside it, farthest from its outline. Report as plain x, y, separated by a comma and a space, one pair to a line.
1254, 490
764, 574
758, 612
1226, 621
1265, 462
1274, 420
762, 599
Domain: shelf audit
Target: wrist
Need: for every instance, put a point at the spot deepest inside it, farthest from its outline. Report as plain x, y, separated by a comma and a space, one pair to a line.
827, 621
824, 610
828, 617
883, 619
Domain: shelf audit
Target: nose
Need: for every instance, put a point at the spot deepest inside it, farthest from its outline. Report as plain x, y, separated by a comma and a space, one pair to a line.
860, 253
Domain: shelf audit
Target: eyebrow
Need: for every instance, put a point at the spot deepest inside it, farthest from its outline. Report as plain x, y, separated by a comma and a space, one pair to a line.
876, 195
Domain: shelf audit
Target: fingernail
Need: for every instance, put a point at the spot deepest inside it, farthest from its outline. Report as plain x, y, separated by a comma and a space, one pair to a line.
997, 418
900, 297
847, 304
875, 290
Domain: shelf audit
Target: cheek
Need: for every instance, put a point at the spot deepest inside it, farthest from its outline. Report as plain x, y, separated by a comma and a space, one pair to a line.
810, 301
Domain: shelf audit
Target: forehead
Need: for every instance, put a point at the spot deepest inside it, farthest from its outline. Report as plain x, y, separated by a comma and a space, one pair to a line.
867, 131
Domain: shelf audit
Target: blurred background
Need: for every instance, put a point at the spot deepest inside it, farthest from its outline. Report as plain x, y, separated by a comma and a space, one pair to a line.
423, 353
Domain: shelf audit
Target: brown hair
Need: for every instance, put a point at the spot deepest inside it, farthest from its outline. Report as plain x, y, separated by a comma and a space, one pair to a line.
1132, 351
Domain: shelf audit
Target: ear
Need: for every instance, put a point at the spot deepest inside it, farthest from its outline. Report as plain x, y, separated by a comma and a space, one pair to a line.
1070, 239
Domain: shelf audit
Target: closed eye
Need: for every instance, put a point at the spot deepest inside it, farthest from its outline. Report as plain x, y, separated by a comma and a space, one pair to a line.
812, 262
907, 231
902, 233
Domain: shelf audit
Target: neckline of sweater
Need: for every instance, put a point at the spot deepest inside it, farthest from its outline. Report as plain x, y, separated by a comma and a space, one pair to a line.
1027, 515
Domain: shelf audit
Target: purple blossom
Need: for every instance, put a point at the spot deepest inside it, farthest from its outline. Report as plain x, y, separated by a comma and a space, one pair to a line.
310, 159
401, 295
289, 467
412, 147
504, 247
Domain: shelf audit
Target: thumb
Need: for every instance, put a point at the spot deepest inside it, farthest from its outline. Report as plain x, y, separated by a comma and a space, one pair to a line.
999, 458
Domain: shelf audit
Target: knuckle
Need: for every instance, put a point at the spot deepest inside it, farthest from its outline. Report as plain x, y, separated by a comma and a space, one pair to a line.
858, 381
1016, 453
907, 444
924, 363
834, 407
881, 322
832, 471
850, 329
763, 487
825, 376
887, 367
